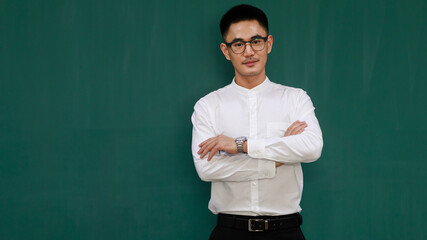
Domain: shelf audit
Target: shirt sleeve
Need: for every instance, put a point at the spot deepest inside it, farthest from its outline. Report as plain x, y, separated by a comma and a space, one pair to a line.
304, 147
224, 166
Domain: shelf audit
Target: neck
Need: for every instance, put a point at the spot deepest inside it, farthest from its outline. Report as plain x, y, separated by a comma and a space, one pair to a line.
249, 82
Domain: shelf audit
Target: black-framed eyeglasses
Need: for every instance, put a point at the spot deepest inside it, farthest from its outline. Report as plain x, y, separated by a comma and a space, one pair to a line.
239, 46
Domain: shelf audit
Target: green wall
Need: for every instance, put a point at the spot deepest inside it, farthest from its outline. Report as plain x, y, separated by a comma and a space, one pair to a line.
96, 99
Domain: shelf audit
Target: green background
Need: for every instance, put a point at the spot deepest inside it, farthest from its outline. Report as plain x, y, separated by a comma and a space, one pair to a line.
96, 99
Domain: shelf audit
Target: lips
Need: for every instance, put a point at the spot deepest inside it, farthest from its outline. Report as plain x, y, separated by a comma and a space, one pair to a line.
250, 62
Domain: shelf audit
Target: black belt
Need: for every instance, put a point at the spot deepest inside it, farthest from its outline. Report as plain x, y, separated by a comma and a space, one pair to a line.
260, 223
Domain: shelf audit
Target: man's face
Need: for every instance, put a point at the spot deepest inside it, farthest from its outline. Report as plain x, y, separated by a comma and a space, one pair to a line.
250, 62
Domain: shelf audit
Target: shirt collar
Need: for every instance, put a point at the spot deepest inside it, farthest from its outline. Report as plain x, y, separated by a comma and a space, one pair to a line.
256, 89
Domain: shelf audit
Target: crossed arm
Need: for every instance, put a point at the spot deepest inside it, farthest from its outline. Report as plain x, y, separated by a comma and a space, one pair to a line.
215, 156
228, 144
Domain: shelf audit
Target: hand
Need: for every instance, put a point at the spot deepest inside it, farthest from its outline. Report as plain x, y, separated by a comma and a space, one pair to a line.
218, 143
278, 164
296, 128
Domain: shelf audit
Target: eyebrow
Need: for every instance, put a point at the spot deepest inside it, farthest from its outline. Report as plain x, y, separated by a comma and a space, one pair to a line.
241, 39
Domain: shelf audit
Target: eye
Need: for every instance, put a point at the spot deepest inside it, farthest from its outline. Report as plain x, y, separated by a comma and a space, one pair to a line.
237, 44
256, 41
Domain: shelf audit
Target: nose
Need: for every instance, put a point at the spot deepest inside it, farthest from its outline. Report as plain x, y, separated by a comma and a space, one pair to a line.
248, 50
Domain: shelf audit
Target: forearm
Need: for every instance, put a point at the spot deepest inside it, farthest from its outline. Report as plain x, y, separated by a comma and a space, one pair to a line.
302, 143
306, 147
237, 167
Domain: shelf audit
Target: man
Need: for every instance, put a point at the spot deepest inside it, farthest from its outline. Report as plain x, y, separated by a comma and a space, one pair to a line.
250, 137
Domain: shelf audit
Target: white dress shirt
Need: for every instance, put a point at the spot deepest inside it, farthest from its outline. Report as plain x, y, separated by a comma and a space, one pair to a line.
250, 184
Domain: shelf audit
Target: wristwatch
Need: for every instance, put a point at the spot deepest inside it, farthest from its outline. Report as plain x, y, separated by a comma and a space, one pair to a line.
239, 142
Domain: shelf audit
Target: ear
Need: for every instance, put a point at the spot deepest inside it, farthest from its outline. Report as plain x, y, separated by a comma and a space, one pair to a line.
224, 50
269, 43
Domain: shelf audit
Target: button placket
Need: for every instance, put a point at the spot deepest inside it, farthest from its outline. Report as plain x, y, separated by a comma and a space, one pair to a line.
252, 100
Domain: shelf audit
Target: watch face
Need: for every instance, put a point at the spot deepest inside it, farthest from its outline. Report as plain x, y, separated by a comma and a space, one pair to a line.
241, 139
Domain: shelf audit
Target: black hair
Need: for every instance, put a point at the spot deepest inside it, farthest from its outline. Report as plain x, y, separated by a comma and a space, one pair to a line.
240, 13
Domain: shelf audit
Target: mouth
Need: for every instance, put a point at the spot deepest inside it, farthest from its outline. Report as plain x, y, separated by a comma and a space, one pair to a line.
250, 62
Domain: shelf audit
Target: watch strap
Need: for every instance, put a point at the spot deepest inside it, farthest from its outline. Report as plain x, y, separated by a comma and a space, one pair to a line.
239, 142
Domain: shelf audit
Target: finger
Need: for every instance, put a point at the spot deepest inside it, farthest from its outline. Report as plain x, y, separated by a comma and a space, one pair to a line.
289, 129
278, 164
208, 148
200, 150
294, 128
298, 129
212, 153
204, 144
302, 128
203, 151
294, 124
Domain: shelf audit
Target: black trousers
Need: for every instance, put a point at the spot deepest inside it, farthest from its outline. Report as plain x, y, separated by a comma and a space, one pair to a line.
226, 233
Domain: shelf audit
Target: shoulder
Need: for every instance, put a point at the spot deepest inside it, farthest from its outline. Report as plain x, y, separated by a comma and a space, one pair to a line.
288, 92
211, 99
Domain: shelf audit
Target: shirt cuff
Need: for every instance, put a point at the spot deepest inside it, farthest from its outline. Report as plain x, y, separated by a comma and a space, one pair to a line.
256, 148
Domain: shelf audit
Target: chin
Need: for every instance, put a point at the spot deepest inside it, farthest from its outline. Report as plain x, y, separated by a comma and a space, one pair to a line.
251, 73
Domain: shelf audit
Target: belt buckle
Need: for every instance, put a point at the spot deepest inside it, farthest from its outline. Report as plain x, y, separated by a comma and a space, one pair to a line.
257, 220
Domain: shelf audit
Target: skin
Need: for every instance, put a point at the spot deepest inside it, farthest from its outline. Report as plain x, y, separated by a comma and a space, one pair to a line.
249, 68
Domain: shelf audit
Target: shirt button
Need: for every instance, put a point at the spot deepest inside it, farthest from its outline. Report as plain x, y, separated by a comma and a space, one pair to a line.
254, 184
